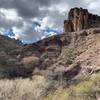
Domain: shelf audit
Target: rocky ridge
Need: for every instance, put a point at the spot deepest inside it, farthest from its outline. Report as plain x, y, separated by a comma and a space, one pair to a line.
55, 56
79, 18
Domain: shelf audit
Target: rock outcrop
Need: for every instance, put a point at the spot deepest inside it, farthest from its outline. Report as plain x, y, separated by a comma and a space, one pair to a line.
79, 18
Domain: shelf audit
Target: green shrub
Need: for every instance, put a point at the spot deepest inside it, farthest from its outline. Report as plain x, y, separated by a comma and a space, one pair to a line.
59, 94
85, 90
44, 56
3, 62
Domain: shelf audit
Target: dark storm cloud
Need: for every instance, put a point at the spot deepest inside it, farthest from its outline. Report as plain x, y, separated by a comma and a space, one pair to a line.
6, 3
51, 12
30, 8
26, 8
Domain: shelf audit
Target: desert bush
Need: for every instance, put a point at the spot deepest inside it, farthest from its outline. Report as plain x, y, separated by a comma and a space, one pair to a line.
85, 90
59, 94
70, 54
11, 68
23, 89
3, 62
30, 61
11, 62
44, 56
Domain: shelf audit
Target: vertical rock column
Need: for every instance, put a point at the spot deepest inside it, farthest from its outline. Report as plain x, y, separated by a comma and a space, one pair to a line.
79, 18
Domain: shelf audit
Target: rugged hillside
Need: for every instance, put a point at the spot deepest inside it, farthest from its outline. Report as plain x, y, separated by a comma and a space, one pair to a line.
69, 60
7, 44
68, 65
76, 49
56, 54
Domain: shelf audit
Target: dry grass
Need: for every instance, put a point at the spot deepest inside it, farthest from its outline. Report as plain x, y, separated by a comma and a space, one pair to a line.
31, 60
85, 90
23, 89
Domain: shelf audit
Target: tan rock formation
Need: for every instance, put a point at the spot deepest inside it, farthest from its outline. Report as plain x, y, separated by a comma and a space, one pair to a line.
79, 18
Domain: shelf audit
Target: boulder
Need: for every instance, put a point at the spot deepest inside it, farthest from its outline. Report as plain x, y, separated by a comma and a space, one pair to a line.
96, 31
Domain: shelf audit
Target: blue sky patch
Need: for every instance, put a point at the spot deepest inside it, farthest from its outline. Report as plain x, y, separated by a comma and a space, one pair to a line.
10, 33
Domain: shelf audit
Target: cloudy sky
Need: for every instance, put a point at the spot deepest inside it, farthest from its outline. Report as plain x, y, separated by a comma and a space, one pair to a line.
31, 20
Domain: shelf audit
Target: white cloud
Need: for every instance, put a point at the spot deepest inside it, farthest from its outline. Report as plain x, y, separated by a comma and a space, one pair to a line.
9, 14
27, 34
19, 15
47, 22
94, 6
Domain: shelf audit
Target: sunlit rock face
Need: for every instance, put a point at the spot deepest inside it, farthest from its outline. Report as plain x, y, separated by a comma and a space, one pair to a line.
79, 18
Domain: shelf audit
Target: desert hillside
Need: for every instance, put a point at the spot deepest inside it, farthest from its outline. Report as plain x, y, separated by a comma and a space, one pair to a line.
62, 67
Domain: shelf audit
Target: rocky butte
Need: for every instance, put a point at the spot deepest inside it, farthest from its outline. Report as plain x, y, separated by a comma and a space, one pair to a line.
79, 18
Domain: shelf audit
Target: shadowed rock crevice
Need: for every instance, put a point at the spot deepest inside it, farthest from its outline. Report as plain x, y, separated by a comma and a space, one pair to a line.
72, 72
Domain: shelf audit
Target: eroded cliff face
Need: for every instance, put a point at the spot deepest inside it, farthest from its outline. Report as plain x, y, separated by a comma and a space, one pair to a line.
79, 18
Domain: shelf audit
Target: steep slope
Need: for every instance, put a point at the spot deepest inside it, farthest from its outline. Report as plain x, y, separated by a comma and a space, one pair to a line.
81, 51
7, 44
78, 67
